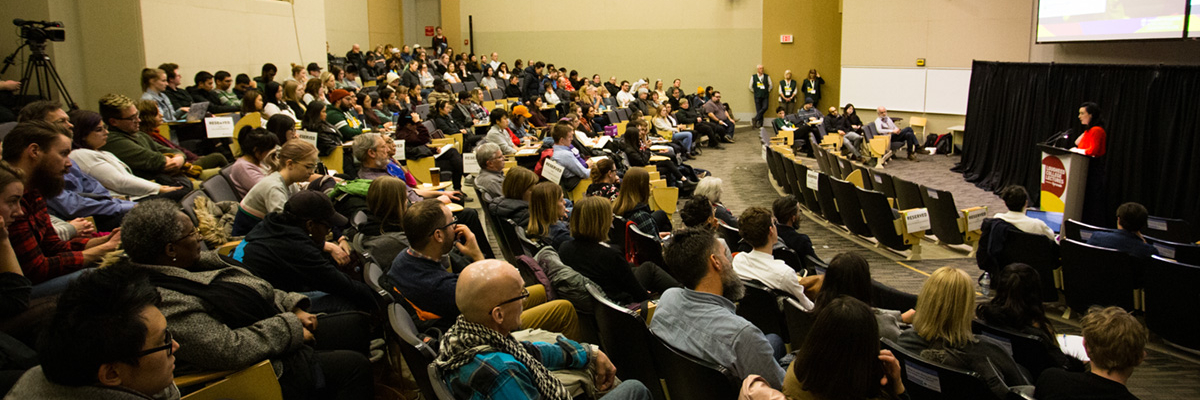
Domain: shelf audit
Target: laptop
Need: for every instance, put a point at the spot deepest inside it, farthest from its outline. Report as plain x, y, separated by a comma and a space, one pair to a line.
197, 111
1052, 219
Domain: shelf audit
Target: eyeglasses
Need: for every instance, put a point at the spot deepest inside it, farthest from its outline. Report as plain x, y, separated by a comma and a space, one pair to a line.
134, 117
523, 296
452, 223
195, 233
169, 347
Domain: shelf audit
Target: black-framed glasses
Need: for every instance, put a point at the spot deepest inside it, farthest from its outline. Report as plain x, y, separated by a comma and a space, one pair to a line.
523, 296
169, 347
195, 233
452, 223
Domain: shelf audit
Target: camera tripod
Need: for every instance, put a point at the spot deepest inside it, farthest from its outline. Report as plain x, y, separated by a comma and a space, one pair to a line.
39, 71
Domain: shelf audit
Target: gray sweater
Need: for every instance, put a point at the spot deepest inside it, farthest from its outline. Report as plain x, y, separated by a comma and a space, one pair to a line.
34, 385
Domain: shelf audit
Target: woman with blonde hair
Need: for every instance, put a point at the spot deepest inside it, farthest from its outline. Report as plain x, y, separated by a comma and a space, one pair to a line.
296, 160
632, 204
516, 191
547, 210
604, 180
588, 254
942, 332
382, 235
298, 74
293, 91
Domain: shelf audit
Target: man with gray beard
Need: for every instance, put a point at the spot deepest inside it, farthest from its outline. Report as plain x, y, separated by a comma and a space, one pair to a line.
699, 319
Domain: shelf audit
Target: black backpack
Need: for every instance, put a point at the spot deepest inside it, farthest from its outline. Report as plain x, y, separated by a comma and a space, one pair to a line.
930, 140
944, 144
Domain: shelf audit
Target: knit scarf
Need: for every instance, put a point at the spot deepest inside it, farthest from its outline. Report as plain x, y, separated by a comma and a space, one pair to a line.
465, 339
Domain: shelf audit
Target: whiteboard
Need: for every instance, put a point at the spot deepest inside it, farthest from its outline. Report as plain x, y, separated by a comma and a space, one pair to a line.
939, 91
900, 89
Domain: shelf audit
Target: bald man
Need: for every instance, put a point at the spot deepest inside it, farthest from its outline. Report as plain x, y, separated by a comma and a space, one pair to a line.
480, 359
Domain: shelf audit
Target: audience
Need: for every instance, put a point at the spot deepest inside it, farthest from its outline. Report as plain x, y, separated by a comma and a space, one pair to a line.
143, 155
154, 83
1016, 198
697, 213
759, 265
204, 91
338, 114
490, 181
604, 180
150, 122
841, 359
787, 219
547, 211
589, 254
1115, 341
417, 140
718, 115
295, 162
710, 187
942, 332
499, 134
849, 275
223, 83
1127, 238
632, 204
329, 139
574, 166
480, 358
382, 234
90, 135
698, 319
226, 318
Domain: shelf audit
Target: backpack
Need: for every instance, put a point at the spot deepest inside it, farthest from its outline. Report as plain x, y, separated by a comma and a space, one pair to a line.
944, 144
930, 140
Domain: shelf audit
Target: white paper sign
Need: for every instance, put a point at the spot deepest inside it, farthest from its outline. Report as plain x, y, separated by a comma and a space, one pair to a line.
811, 182
1165, 251
399, 150
917, 220
552, 170
975, 219
310, 137
927, 378
1156, 224
219, 127
932, 193
470, 166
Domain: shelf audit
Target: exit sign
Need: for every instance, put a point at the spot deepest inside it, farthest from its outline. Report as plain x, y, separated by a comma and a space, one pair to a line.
785, 38
429, 31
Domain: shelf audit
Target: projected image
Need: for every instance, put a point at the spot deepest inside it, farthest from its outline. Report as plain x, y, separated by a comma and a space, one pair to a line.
1082, 20
1193, 26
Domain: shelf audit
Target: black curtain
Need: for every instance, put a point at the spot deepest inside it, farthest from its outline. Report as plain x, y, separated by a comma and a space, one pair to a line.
1151, 115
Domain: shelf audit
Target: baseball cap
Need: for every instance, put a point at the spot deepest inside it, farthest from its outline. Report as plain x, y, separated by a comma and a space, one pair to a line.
338, 95
522, 111
314, 206
314, 67
808, 100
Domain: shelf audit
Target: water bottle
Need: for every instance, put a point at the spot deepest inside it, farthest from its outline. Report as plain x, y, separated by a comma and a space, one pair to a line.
985, 283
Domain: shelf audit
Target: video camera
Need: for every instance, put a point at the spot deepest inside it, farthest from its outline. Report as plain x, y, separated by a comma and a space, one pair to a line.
41, 31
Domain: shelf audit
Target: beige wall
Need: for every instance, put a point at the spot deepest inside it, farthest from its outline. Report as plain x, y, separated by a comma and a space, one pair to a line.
815, 36
344, 25
385, 23
704, 42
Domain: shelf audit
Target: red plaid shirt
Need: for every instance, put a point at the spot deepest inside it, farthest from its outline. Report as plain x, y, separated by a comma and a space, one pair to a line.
42, 255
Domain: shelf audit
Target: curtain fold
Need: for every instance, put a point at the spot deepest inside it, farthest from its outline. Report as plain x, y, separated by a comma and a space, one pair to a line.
1152, 120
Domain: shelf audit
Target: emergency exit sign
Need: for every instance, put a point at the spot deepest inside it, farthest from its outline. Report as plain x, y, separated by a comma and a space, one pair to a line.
785, 38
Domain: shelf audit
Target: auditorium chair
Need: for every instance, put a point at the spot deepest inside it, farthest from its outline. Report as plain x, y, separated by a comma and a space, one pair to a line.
1094, 275
732, 236
882, 182
226, 173
799, 322
789, 172
616, 235
1186, 253
773, 165
688, 377
517, 246
866, 177
1032, 249
498, 93
887, 297
371, 274
887, 225
253, 120
828, 203
627, 342
849, 207
844, 165
822, 161
646, 246
662, 197
878, 146
807, 195
760, 306
416, 353
949, 222
908, 194
256, 382
188, 204
793, 260
437, 382
456, 87
835, 167
1171, 301
487, 96
1030, 351
470, 85
218, 189
1170, 229
1075, 230
927, 380
623, 113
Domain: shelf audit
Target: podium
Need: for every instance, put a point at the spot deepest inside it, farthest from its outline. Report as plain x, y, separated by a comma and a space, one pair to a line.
1064, 180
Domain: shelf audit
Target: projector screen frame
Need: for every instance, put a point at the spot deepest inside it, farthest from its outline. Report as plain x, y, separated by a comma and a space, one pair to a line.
1184, 33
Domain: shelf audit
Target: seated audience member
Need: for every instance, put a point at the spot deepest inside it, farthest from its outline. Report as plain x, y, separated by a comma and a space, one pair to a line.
252, 102
225, 318
689, 115
787, 218
287, 250
547, 211
382, 235
942, 332
851, 119
90, 136
256, 161
841, 358
1016, 198
154, 82
698, 319
108, 339
716, 113
143, 155
759, 265
590, 255
204, 91
149, 122
274, 102
41, 151
313, 91
1116, 343
835, 123
480, 358
642, 102
513, 89
283, 127
1131, 218
293, 92
780, 122
223, 82
849, 275
635, 144
490, 180
1017, 306
885, 126
809, 114
604, 180
499, 134
710, 187
574, 167
664, 122
516, 192
420, 274
295, 162
242, 84
417, 142
536, 119
632, 204
329, 139
175, 91
82, 195
14, 286
697, 213
338, 114
440, 93
489, 79
461, 111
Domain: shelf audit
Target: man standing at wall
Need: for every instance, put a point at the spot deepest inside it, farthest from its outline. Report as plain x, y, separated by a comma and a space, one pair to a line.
760, 86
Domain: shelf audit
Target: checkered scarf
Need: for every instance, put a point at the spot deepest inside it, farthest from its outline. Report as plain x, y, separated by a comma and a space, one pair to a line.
465, 339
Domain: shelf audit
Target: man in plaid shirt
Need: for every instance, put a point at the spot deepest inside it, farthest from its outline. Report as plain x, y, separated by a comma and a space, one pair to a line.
40, 149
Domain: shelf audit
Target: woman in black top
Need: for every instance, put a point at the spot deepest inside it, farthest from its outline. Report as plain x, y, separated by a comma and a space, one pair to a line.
514, 87
604, 180
636, 147
328, 137
1017, 306
851, 120
590, 256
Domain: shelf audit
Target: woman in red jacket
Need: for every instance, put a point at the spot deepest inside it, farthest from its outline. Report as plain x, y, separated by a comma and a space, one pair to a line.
1092, 141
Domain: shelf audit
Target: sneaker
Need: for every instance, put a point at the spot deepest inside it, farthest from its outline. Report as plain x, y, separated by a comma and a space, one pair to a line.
469, 180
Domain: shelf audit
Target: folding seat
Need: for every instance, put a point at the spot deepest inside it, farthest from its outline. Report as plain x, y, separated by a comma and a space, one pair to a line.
1027, 350
760, 306
849, 207
627, 342
1171, 301
826, 197
1171, 229
807, 195
687, 377
949, 222
1094, 275
887, 225
925, 379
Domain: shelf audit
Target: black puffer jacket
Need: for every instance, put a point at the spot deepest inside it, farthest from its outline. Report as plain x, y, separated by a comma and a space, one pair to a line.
514, 209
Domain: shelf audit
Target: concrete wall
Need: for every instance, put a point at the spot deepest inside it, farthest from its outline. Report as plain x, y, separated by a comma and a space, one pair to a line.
344, 25
816, 27
385, 22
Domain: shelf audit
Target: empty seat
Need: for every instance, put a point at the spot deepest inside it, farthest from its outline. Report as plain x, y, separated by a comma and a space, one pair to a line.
849, 207
822, 161
1186, 253
226, 173
627, 341
790, 177
866, 177
416, 353
807, 195
1075, 230
732, 236
688, 377
835, 167
1037, 251
497, 94
885, 223
773, 168
1171, 229
929, 380
760, 306
882, 182
1171, 301
825, 196
845, 165
219, 189
457, 87
908, 194
949, 222
646, 247
470, 85
1094, 275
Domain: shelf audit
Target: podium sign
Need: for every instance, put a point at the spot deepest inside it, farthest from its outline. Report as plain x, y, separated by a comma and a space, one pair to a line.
1064, 179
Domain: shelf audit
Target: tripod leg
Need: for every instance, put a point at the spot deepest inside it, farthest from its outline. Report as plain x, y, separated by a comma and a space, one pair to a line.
52, 73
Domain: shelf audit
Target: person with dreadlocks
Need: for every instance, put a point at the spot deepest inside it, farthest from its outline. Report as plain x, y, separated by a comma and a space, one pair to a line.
480, 358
